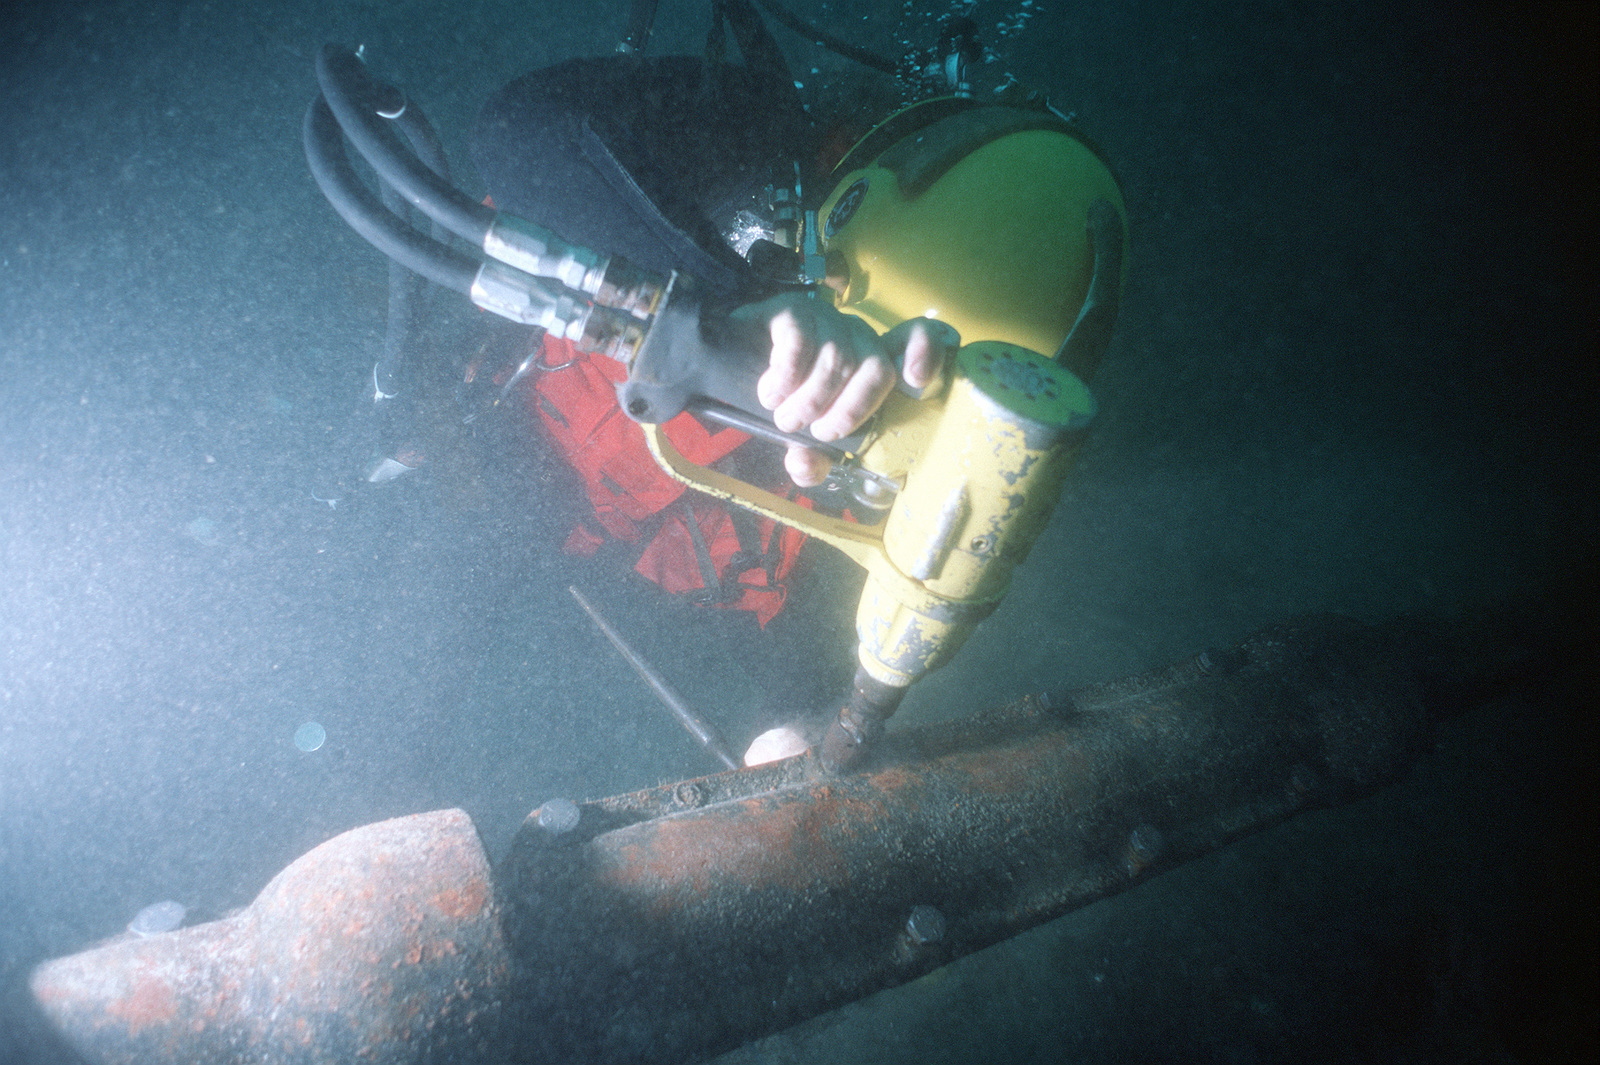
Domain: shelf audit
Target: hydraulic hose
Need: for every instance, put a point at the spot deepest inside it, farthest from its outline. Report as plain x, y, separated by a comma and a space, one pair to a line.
356, 100
1080, 352
838, 45
407, 290
356, 204
641, 19
424, 140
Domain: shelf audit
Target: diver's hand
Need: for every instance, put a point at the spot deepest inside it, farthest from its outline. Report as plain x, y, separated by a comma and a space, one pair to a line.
830, 372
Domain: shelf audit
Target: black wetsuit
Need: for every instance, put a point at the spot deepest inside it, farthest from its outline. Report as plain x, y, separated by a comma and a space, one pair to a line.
649, 158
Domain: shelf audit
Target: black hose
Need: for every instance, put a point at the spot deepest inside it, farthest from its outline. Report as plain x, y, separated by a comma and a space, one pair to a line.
424, 141
356, 204
1080, 352
641, 19
407, 291
842, 47
355, 98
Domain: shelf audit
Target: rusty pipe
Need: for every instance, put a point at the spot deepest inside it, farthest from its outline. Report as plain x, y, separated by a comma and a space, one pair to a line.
377, 945
683, 920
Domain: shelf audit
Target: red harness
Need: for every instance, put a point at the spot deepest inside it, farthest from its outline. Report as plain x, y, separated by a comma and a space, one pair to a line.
576, 400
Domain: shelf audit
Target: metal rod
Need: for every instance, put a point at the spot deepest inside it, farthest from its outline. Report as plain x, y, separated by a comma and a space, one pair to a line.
698, 727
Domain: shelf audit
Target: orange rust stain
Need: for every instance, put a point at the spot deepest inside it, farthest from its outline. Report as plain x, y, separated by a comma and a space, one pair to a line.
463, 903
795, 844
151, 1003
410, 917
1021, 769
894, 778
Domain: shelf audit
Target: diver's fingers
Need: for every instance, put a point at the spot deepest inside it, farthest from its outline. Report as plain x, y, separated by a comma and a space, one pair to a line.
829, 374
807, 467
791, 361
861, 395
922, 357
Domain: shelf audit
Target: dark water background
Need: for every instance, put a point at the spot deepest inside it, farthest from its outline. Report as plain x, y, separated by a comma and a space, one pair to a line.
1353, 373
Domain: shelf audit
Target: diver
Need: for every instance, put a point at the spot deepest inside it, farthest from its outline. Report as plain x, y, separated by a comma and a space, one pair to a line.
688, 283
686, 163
